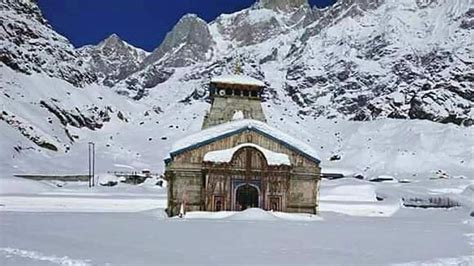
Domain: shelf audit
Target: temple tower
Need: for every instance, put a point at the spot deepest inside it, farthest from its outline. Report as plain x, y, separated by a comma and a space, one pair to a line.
234, 97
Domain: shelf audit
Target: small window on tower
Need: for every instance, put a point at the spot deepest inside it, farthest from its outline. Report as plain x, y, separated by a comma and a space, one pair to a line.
237, 92
228, 91
254, 94
246, 93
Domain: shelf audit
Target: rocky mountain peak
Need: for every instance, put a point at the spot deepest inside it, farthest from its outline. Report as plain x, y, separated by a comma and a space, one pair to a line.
114, 44
190, 18
188, 42
113, 59
282, 5
112, 40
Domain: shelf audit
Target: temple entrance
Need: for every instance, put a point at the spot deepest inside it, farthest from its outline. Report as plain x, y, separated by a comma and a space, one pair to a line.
246, 197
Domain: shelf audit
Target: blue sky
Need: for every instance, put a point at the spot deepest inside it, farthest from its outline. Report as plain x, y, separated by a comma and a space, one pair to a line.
143, 23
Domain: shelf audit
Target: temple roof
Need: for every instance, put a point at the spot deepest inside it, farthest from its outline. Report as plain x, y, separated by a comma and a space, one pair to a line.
215, 133
238, 79
225, 156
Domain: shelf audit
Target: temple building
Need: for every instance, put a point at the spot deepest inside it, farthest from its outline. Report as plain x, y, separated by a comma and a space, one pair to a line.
238, 161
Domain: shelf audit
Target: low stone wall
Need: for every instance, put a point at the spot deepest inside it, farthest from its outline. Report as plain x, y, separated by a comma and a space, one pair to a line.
76, 178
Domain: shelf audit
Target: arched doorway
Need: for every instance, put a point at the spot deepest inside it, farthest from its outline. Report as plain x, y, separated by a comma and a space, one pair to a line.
246, 197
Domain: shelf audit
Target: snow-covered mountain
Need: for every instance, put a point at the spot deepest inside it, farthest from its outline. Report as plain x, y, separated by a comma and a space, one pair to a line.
356, 60
403, 59
188, 43
113, 59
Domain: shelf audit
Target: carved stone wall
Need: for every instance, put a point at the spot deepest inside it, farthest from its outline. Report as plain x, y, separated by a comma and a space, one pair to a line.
211, 186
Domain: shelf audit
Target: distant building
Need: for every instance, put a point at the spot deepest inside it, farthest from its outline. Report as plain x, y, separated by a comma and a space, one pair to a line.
146, 172
238, 161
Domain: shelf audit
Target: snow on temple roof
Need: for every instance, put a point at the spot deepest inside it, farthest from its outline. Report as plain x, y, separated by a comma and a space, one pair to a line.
214, 133
225, 156
238, 79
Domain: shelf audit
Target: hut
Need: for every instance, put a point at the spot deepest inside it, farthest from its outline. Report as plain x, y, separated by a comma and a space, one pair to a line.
238, 161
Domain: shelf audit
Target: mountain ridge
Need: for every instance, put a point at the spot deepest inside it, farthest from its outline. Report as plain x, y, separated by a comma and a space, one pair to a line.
270, 23
334, 60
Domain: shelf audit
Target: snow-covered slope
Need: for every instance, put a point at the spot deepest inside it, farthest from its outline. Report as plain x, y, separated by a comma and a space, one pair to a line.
404, 59
360, 65
54, 121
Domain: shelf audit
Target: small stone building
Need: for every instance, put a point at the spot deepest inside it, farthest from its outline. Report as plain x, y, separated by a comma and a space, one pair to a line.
238, 161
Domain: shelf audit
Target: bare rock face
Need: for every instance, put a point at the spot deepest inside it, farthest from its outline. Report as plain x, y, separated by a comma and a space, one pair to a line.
187, 43
113, 59
29, 45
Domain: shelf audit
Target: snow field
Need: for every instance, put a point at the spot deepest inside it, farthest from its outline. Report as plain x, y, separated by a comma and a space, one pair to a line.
414, 236
39, 226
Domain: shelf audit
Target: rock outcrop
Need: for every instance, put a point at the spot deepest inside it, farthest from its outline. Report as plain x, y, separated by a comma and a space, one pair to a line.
28, 44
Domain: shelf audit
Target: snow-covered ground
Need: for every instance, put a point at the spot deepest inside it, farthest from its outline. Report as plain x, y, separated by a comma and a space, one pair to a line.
146, 238
22, 195
360, 222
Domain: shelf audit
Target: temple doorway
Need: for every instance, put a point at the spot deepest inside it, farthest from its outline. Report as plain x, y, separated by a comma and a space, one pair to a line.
246, 197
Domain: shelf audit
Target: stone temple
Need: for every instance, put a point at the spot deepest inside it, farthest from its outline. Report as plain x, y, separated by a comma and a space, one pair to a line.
238, 161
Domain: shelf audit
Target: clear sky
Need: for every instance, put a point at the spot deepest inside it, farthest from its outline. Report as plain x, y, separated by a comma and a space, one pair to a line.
142, 23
